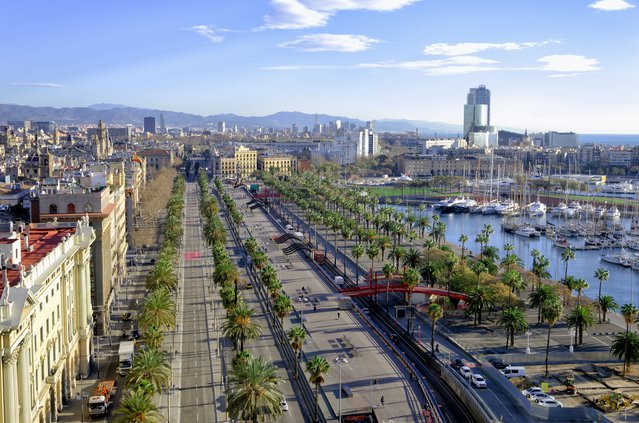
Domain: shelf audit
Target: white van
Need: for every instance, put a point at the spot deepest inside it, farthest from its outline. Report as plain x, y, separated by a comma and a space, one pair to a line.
339, 281
514, 371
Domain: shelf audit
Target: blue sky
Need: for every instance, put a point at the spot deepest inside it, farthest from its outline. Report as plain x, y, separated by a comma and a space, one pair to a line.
550, 64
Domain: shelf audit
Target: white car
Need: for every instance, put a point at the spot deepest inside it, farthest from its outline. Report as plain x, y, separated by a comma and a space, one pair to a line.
465, 372
478, 380
531, 391
541, 396
547, 402
283, 405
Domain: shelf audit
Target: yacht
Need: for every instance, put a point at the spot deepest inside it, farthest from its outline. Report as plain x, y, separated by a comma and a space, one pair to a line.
441, 203
536, 209
572, 209
527, 231
633, 245
465, 206
450, 207
600, 212
617, 258
559, 210
491, 208
506, 207
613, 213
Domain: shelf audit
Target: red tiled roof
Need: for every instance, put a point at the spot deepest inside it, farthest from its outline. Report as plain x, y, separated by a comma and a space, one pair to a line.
43, 241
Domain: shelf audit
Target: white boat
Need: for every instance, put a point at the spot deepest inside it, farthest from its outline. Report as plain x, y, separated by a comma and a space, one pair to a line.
613, 213
559, 210
536, 209
452, 204
600, 212
506, 207
572, 209
465, 205
527, 231
633, 245
441, 203
617, 258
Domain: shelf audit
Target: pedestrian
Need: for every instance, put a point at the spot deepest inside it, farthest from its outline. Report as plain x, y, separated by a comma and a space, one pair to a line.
381, 401
437, 348
338, 315
314, 307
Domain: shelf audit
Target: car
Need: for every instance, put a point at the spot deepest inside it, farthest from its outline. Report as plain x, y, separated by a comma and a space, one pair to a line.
478, 380
465, 372
394, 337
551, 403
283, 405
531, 391
456, 363
498, 363
541, 396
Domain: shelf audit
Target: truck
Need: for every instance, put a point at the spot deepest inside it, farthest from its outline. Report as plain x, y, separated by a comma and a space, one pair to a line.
344, 303
127, 348
318, 256
102, 398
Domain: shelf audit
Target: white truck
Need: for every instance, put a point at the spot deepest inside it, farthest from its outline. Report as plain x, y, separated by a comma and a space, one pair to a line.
127, 349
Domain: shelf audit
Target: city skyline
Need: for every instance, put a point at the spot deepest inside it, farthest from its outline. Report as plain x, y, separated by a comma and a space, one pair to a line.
549, 66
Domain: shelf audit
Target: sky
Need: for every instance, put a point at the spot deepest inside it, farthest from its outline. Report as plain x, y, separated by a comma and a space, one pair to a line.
566, 65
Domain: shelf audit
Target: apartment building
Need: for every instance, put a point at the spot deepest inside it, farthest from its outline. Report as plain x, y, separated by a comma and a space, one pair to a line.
46, 323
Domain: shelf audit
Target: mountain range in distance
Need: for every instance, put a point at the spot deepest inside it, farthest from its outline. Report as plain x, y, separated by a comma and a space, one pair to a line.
117, 114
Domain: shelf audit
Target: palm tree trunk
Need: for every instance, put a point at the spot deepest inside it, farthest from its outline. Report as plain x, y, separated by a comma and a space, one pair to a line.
296, 363
512, 337
432, 338
547, 348
316, 402
387, 292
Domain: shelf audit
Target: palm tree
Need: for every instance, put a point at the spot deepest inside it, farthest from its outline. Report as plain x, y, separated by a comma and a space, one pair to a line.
413, 258
606, 303
347, 233
512, 320
551, 312
410, 279
239, 326
625, 346
629, 313
570, 282
510, 260
253, 391
423, 223
540, 267
580, 317
601, 275
567, 255
149, 364
450, 262
397, 253
317, 367
357, 251
435, 313
137, 407
162, 275
388, 270
540, 297
296, 337
383, 243
479, 299
580, 285
463, 239
514, 280
372, 252
282, 306
158, 310
153, 337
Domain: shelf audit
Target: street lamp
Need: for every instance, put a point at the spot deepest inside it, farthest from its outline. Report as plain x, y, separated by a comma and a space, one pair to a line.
528, 333
340, 361
301, 300
572, 334
81, 400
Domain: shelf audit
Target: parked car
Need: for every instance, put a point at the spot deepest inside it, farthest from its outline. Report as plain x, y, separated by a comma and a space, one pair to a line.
531, 391
465, 372
547, 402
498, 363
283, 405
456, 363
478, 380
541, 396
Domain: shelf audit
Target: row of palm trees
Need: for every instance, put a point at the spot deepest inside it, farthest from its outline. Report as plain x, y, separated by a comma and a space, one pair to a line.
150, 370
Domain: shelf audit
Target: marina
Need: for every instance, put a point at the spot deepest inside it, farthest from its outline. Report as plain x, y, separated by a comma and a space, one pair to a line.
550, 234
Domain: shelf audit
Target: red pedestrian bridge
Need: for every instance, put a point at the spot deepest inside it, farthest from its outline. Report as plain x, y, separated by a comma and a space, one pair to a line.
380, 288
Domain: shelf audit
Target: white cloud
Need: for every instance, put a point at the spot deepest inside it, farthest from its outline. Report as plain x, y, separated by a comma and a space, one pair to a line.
430, 64
568, 63
298, 14
611, 5
376, 5
445, 49
36, 84
297, 67
208, 32
347, 43
292, 14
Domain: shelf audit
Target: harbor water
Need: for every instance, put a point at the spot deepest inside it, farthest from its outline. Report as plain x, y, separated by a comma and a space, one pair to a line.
623, 283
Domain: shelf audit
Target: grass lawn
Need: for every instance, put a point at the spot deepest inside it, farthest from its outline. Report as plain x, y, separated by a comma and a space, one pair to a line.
593, 199
389, 191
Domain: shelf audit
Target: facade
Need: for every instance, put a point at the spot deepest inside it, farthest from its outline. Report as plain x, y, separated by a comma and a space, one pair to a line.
101, 145
484, 139
149, 124
105, 207
157, 158
245, 161
560, 139
122, 134
282, 165
221, 127
476, 110
45, 318
470, 167
619, 157
367, 143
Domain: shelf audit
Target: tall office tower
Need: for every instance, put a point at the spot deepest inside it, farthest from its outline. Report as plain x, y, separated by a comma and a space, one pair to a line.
149, 124
476, 110
221, 127
162, 124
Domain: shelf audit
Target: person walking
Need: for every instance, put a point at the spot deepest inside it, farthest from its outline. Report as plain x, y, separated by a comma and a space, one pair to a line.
338, 315
381, 401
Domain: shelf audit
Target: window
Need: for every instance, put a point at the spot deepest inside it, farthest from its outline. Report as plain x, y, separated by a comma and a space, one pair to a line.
53, 208
41, 334
70, 208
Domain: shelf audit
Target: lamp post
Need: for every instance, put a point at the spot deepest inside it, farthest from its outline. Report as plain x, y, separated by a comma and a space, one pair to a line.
572, 334
340, 361
301, 299
528, 333
81, 400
